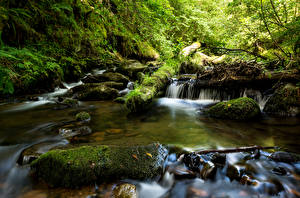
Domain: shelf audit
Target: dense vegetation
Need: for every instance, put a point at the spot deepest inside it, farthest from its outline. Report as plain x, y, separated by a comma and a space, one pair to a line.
51, 41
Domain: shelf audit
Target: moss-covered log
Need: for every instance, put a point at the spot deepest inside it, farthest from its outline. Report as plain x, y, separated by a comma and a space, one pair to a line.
88, 164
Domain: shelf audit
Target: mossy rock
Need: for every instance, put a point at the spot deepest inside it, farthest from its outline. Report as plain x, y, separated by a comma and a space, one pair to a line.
139, 100
111, 84
284, 102
88, 164
83, 116
70, 102
131, 68
109, 76
98, 93
236, 109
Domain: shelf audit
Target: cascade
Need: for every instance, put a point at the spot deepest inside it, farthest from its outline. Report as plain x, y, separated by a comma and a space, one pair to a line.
192, 91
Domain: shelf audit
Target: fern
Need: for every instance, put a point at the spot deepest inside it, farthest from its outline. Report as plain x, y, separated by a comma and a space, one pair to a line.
61, 6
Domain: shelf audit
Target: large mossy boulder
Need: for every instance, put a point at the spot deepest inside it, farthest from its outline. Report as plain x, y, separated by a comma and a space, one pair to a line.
109, 76
98, 93
88, 164
284, 102
236, 109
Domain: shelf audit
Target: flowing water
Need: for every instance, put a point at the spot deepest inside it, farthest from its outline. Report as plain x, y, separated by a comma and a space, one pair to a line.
173, 120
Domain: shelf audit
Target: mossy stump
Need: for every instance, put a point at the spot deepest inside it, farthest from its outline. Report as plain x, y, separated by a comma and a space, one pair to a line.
236, 109
88, 164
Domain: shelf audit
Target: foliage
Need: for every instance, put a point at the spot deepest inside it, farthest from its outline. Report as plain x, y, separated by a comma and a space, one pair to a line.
65, 36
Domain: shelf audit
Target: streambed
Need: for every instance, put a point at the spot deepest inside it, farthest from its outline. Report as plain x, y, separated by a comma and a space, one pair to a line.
170, 121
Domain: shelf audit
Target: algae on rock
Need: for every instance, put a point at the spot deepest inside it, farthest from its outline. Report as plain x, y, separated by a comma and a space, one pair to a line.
237, 109
284, 102
88, 164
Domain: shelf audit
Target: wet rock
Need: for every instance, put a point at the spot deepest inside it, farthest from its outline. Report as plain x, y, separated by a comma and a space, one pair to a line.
89, 164
246, 180
233, 173
218, 159
236, 109
284, 102
25, 159
81, 131
98, 93
125, 191
267, 188
110, 84
109, 76
70, 102
178, 150
30, 154
193, 161
208, 171
83, 116
279, 171
132, 68
182, 173
286, 157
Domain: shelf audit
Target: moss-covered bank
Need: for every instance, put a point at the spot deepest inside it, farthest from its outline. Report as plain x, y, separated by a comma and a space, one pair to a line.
88, 164
236, 109
50, 41
139, 99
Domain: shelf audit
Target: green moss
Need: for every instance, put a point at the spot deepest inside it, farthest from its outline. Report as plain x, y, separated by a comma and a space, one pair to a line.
88, 164
236, 109
284, 102
139, 99
70, 102
70, 167
82, 116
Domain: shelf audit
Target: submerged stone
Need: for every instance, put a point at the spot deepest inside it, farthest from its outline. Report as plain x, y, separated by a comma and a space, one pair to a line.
89, 164
286, 157
284, 102
236, 109
125, 191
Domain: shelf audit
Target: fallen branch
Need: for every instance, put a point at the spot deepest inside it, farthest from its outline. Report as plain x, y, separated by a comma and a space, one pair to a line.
239, 50
236, 150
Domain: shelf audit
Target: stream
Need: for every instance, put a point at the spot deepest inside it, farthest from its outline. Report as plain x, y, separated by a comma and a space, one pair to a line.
175, 119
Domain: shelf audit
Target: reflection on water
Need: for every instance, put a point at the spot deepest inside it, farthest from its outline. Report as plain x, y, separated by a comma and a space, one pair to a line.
169, 121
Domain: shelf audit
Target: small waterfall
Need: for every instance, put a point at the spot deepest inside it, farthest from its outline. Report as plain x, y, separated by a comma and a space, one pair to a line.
192, 91
257, 96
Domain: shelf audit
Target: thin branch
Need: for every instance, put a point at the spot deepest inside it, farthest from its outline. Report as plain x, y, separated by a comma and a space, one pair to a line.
240, 50
267, 27
276, 15
236, 150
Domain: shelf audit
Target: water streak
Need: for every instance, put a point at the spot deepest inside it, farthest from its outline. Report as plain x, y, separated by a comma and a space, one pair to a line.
190, 90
